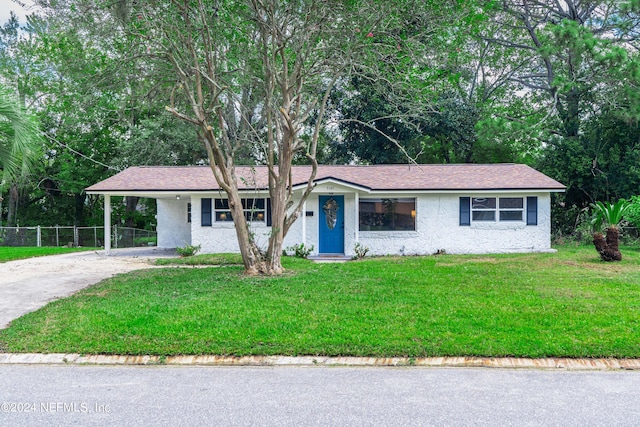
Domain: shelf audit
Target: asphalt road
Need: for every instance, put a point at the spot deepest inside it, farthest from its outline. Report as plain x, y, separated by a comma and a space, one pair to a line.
314, 396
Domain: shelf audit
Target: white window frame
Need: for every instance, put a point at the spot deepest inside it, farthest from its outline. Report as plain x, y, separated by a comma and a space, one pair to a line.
362, 212
497, 210
520, 209
223, 215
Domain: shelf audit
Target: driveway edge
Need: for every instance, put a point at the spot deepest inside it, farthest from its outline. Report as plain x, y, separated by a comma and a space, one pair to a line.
210, 360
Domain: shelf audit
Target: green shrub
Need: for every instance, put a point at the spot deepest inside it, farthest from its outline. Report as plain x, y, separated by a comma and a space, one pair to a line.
299, 251
360, 251
188, 250
609, 215
633, 212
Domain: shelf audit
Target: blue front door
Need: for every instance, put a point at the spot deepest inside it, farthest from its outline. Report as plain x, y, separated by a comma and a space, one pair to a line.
331, 220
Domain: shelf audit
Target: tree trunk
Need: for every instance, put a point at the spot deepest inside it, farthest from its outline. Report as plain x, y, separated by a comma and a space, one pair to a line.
571, 114
131, 207
278, 216
608, 247
79, 209
251, 256
14, 197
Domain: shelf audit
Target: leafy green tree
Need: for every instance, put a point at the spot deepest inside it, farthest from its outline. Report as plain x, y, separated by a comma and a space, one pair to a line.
450, 132
160, 140
373, 125
633, 212
19, 144
48, 66
574, 52
255, 77
481, 114
18, 72
572, 72
19, 134
100, 113
438, 125
601, 164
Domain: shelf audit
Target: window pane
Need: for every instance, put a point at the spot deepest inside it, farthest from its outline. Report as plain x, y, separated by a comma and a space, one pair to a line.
253, 204
254, 210
510, 215
484, 215
254, 215
511, 203
387, 214
483, 203
222, 216
222, 204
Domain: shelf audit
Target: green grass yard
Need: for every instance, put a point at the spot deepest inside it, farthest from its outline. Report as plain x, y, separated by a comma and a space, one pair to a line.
206, 259
568, 304
8, 253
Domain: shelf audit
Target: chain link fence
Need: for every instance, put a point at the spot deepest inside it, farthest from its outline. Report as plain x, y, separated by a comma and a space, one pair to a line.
121, 237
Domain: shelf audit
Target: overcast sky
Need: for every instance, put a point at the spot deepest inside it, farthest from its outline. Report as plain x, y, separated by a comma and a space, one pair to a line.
8, 5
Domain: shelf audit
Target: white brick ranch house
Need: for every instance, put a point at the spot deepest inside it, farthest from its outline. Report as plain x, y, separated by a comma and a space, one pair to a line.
391, 209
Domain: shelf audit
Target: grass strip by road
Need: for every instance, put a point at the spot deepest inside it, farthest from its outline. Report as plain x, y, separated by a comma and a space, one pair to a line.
8, 253
568, 304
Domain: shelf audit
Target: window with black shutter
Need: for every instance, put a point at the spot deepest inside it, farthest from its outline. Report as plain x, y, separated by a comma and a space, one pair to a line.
206, 212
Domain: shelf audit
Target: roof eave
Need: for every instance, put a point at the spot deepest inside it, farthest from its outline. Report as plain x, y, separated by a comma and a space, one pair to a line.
332, 180
185, 191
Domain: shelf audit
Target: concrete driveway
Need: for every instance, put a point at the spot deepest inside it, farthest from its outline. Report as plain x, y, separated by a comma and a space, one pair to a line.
29, 284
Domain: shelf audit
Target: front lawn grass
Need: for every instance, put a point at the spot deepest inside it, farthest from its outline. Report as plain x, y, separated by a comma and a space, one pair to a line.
568, 304
9, 253
203, 259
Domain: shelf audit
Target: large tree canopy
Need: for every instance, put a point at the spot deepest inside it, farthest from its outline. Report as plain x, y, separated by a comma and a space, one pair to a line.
254, 78
570, 73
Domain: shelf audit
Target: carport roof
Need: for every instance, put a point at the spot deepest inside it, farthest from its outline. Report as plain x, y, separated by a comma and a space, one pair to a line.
454, 177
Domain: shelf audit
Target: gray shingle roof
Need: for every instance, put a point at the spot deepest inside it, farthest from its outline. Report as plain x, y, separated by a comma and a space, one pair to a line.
377, 178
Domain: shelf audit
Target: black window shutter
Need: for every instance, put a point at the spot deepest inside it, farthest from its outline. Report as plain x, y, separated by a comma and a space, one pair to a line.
465, 210
532, 210
206, 212
269, 212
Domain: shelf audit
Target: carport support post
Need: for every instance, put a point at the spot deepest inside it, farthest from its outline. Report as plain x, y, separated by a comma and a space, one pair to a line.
107, 224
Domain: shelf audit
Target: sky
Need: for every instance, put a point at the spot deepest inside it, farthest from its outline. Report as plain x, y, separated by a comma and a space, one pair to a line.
8, 5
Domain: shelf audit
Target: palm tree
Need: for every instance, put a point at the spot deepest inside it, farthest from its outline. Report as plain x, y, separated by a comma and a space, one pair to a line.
610, 215
19, 140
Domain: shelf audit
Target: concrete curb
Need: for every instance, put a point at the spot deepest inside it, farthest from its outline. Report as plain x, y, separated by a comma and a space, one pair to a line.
448, 362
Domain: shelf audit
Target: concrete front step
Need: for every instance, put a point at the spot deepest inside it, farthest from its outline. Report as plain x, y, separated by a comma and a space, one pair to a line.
329, 258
